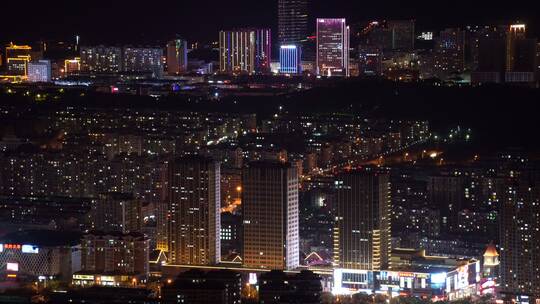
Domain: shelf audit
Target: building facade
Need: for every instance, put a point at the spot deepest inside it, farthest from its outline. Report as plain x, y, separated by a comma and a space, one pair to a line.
270, 215
362, 233
292, 21
245, 51
193, 213
290, 59
39, 71
332, 47
177, 60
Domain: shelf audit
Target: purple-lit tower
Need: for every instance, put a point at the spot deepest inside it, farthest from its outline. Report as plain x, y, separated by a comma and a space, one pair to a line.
332, 47
245, 51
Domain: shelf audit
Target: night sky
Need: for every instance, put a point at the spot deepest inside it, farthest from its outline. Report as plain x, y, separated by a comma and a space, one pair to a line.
121, 21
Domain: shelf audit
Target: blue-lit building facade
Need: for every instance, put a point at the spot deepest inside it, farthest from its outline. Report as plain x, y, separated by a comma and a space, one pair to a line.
290, 59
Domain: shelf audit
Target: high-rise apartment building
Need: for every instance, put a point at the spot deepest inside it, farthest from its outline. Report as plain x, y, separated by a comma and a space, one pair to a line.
292, 21
193, 211
116, 212
143, 60
332, 47
362, 233
115, 253
177, 60
270, 215
245, 51
101, 59
520, 236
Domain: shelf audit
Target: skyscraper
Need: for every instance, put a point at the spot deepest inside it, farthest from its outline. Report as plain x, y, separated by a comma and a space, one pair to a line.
193, 211
177, 60
245, 51
292, 21
520, 236
362, 238
332, 47
270, 215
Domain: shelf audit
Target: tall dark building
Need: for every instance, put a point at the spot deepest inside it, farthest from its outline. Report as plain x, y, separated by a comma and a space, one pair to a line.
403, 34
362, 233
520, 236
292, 21
193, 212
270, 215
520, 55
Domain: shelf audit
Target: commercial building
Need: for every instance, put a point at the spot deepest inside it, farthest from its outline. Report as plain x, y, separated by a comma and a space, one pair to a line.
270, 215
290, 59
292, 21
193, 211
177, 60
245, 51
39, 255
362, 238
332, 47
39, 71
17, 59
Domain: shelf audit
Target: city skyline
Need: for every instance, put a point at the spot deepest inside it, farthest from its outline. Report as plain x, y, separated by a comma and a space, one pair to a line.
122, 24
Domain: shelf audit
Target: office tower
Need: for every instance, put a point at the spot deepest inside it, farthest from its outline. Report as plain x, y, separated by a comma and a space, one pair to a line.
143, 60
17, 59
520, 55
115, 253
116, 212
370, 60
270, 215
290, 59
292, 21
101, 59
362, 238
403, 34
332, 47
449, 53
39, 71
193, 211
177, 60
245, 51
520, 236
